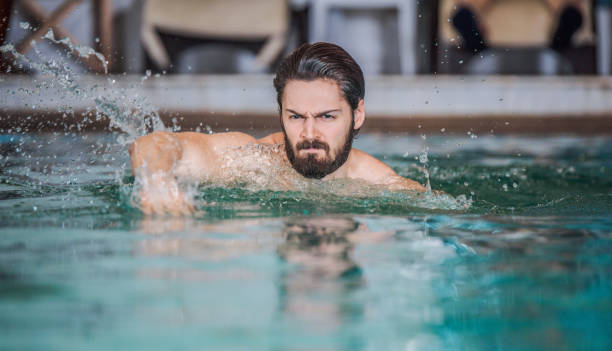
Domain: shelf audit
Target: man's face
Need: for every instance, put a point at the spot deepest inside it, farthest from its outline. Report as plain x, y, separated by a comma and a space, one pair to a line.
318, 125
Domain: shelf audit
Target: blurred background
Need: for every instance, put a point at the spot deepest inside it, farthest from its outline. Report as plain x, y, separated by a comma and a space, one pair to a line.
428, 48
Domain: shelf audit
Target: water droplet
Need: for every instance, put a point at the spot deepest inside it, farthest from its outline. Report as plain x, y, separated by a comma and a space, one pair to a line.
423, 157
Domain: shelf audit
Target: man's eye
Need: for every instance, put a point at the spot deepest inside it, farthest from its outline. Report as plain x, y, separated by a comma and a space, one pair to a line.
328, 116
294, 116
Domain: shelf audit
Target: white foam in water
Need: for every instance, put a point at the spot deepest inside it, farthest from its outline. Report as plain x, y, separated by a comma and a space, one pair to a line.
423, 158
261, 167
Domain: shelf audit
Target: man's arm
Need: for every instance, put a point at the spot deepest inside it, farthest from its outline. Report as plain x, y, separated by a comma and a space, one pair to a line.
160, 159
153, 159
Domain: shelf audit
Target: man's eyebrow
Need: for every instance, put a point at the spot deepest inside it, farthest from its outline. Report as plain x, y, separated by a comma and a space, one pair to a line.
318, 114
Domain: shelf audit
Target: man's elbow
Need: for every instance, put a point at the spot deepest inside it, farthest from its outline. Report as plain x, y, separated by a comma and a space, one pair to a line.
142, 148
158, 151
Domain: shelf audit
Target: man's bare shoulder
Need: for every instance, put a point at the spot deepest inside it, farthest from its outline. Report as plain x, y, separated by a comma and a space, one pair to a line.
219, 140
275, 138
367, 167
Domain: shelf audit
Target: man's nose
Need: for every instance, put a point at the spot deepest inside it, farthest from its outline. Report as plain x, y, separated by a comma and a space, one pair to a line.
308, 129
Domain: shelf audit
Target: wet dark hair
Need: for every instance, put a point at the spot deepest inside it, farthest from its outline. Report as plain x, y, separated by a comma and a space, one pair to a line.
322, 61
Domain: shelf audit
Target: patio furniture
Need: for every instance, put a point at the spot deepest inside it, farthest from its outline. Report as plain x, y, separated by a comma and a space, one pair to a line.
102, 17
252, 20
406, 24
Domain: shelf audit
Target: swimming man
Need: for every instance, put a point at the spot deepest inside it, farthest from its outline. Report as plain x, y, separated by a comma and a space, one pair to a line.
320, 94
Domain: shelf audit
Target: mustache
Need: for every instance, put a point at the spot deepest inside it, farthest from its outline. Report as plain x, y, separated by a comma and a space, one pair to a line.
314, 144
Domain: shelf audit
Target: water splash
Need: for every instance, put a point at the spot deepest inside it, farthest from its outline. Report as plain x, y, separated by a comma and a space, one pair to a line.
424, 159
57, 88
82, 50
125, 110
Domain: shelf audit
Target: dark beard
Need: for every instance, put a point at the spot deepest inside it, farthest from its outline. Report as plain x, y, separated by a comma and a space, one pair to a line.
309, 166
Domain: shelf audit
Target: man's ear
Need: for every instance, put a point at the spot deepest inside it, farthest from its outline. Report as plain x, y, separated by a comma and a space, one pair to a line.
359, 114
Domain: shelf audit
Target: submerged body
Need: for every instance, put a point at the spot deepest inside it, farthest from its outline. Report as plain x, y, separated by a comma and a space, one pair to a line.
162, 161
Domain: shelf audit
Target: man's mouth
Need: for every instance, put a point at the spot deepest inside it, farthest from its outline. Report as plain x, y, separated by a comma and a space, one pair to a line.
312, 146
312, 149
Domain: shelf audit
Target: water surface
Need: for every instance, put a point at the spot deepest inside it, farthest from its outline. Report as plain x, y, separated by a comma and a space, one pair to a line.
525, 265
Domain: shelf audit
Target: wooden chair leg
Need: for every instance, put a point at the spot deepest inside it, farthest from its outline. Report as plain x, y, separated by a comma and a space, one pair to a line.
5, 20
36, 13
56, 17
103, 28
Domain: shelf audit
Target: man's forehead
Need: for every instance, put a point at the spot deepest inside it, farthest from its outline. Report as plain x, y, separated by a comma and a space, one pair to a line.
313, 95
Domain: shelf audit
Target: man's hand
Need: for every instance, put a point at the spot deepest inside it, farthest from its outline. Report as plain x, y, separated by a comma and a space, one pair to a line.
153, 159
159, 193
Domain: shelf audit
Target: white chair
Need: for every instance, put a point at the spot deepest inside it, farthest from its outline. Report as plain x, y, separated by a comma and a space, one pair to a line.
604, 40
406, 18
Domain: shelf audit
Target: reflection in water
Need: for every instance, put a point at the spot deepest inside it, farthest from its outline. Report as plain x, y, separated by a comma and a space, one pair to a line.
438, 282
318, 290
189, 238
320, 245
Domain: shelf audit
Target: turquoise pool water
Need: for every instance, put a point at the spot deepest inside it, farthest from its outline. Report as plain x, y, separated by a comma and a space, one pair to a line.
526, 265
